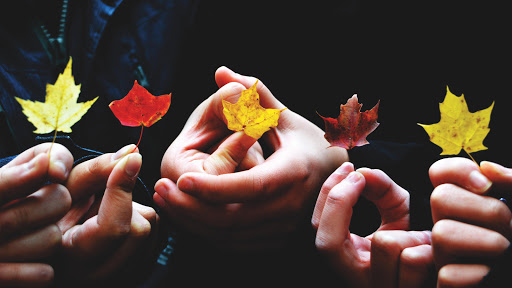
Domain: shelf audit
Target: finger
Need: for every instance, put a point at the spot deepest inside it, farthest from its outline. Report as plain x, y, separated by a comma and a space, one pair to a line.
456, 241
335, 178
75, 214
229, 155
37, 245
461, 172
333, 228
182, 208
500, 176
461, 275
391, 200
253, 158
24, 179
386, 249
91, 176
26, 275
113, 221
416, 266
60, 161
224, 75
116, 207
139, 232
39, 209
452, 202
258, 183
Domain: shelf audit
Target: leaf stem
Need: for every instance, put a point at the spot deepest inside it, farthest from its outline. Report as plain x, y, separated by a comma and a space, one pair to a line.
140, 137
470, 156
53, 141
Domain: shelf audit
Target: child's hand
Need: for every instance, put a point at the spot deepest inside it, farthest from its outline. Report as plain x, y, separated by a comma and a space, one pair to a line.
469, 225
29, 211
104, 229
390, 257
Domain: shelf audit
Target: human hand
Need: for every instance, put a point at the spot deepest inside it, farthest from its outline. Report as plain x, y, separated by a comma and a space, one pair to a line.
391, 256
29, 211
470, 227
104, 229
258, 205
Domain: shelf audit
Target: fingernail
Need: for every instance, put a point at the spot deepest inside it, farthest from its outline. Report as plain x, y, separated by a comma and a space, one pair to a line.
60, 166
345, 168
354, 177
185, 184
160, 189
122, 152
133, 164
479, 181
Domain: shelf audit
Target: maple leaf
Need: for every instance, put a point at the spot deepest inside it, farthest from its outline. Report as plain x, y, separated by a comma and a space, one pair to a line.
351, 127
458, 128
248, 115
140, 108
60, 110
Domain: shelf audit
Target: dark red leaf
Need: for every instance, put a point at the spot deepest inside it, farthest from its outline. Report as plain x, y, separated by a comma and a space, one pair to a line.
351, 127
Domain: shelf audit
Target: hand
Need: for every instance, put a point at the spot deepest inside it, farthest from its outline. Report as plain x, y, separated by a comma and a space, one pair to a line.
104, 228
257, 206
390, 257
470, 227
29, 211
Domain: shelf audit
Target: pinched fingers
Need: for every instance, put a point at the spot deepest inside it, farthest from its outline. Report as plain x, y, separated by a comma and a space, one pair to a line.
113, 221
500, 176
91, 176
461, 172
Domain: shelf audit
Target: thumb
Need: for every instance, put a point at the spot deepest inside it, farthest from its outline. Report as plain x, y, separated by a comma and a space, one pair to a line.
224, 75
229, 154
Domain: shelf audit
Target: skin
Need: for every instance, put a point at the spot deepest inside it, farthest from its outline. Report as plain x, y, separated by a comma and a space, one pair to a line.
471, 228
392, 256
219, 186
29, 213
101, 234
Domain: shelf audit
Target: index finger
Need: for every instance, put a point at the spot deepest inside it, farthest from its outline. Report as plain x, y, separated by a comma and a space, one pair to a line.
91, 176
461, 172
260, 182
391, 200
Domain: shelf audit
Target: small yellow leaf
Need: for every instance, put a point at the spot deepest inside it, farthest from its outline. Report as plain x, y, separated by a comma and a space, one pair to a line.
249, 116
60, 110
458, 128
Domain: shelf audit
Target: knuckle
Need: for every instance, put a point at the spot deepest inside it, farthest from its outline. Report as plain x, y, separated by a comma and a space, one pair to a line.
439, 195
440, 231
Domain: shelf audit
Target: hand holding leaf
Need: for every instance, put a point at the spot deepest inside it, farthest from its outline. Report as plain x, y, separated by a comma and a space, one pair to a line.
247, 114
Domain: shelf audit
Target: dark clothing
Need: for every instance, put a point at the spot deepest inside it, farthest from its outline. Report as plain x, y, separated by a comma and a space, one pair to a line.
312, 58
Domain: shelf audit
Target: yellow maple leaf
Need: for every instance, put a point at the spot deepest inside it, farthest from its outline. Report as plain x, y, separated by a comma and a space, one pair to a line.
458, 128
248, 115
60, 110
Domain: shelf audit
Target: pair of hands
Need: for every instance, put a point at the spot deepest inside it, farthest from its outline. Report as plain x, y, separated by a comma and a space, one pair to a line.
257, 206
68, 223
392, 256
471, 228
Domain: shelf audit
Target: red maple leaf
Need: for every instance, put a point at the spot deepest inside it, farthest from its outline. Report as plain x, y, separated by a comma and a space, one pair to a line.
351, 127
140, 108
